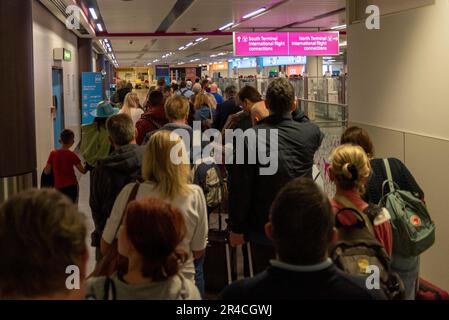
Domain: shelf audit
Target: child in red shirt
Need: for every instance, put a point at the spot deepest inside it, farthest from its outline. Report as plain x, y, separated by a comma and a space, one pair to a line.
61, 162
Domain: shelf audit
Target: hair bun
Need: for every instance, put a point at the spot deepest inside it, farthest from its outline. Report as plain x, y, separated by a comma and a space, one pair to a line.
354, 172
350, 172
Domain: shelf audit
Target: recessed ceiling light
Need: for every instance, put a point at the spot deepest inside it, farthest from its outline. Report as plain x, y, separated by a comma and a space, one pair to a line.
341, 27
226, 26
256, 12
93, 13
100, 27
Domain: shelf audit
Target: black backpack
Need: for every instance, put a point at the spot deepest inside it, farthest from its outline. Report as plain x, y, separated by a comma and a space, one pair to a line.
357, 248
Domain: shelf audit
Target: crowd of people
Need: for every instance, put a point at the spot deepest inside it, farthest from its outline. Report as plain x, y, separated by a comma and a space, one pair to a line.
147, 211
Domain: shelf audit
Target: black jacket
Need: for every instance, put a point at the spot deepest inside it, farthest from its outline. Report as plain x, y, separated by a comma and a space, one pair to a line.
300, 116
401, 175
250, 193
122, 167
224, 110
279, 284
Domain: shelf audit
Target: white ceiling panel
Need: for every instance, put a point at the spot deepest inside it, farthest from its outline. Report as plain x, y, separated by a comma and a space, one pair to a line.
294, 11
145, 16
134, 16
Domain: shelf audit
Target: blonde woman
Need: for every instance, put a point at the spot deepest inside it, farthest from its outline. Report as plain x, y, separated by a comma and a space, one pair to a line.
205, 105
131, 107
350, 171
170, 182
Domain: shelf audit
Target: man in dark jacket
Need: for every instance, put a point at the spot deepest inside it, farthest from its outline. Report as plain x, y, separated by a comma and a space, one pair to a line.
251, 193
120, 168
154, 118
227, 108
302, 227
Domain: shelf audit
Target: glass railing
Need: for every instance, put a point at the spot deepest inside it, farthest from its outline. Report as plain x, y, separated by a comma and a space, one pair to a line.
332, 118
325, 89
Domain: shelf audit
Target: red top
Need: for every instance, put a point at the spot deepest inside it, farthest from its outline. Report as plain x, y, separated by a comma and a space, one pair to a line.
383, 231
150, 121
62, 163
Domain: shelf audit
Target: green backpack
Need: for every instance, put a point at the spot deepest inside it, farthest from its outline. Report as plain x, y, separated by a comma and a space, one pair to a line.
413, 229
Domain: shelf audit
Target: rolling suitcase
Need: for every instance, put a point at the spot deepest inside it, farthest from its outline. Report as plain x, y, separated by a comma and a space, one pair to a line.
220, 264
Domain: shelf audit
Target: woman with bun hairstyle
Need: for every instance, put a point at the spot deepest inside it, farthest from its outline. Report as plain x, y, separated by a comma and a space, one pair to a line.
150, 237
350, 170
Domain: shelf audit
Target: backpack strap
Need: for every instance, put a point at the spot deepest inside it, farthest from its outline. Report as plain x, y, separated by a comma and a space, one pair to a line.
389, 175
109, 292
347, 203
391, 183
132, 197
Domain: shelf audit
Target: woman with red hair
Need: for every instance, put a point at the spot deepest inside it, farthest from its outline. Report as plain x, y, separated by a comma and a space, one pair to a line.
150, 238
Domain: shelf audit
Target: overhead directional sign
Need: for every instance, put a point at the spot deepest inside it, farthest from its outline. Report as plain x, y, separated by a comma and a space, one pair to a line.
286, 43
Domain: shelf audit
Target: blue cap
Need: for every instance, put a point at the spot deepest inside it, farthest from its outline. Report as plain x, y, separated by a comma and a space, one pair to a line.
104, 110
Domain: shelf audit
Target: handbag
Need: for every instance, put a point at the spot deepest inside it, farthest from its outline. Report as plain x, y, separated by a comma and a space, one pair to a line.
112, 261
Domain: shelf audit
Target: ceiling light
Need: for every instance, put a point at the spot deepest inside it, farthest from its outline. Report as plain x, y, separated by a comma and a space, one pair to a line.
343, 44
100, 27
182, 48
155, 60
256, 12
199, 39
204, 39
210, 63
226, 26
213, 55
149, 64
341, 27
93, 13
189, 44
106, 40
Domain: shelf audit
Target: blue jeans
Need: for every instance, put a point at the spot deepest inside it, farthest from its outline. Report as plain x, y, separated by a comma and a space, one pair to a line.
408, 270
199, 275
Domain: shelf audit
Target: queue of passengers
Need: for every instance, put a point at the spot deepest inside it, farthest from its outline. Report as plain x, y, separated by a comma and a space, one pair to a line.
145, 206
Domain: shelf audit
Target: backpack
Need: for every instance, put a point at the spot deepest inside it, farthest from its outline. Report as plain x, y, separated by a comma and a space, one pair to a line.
357, 248
413, 229
208, 176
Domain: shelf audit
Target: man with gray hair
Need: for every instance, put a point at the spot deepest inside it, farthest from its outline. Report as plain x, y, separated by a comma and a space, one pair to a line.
120, 168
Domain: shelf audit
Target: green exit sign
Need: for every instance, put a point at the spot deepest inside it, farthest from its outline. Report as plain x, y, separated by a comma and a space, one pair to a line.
67, 55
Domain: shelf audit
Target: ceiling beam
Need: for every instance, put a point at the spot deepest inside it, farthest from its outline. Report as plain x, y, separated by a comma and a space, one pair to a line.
101, 35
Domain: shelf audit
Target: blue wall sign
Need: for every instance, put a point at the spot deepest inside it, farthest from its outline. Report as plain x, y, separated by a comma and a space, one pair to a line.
163, 71
92, 94
283, 61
